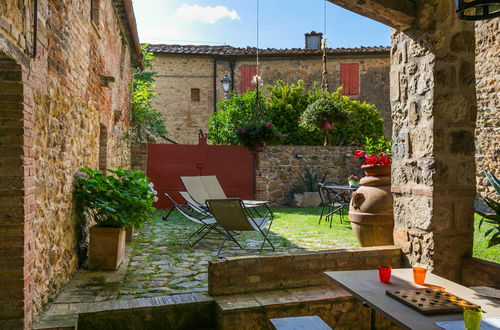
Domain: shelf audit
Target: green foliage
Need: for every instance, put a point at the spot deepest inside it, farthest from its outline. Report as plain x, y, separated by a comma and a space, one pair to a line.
380, 146
285, 104
123, 199
310, 181
148, 123
364, 122
255, 132
493, 219
232, 114
327, 108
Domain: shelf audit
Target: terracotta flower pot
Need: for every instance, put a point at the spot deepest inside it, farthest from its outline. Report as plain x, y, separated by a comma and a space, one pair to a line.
106, 248
370, 209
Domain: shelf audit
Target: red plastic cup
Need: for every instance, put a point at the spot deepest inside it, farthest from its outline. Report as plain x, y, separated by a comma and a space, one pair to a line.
384, 272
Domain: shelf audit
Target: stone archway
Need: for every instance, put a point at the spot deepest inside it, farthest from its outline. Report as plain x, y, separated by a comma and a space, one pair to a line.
433, 105
13, 212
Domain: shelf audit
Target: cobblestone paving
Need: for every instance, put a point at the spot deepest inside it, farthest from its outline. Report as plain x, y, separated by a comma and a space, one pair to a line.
163, 263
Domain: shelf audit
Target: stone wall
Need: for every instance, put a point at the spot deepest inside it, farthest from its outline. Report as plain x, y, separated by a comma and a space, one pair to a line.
64, 100
434, 113
278, 168
139, 160
178, 74
488, 103
477, 272
234, 275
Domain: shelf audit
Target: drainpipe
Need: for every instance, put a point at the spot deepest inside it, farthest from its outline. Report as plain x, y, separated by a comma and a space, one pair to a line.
215, 83
231, 68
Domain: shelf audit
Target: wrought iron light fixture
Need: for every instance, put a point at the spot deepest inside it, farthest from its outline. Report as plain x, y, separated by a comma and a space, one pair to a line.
226, 85
476, 10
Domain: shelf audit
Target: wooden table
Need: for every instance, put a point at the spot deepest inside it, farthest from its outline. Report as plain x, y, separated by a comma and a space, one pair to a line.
366, 286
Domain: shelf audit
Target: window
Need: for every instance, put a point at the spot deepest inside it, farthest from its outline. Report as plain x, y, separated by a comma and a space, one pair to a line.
103, 147
349, 78
195, 94
94, 12
248, 73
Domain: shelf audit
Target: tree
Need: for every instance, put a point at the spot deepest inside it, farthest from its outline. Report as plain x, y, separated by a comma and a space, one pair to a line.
148, 124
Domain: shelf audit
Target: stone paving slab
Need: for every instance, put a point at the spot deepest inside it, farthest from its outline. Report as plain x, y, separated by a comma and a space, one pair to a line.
158, 263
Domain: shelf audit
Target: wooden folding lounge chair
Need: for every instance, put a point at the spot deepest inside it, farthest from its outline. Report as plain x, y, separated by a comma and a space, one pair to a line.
232, 216
206, 223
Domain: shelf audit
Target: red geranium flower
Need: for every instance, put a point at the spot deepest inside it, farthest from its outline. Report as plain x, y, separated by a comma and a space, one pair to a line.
268, 125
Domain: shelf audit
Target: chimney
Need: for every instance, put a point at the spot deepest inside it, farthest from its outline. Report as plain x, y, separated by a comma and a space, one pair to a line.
313, 40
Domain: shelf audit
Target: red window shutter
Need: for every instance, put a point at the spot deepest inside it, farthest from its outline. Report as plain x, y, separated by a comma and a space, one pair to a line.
247, 73
349, 78
354, 79
344, 78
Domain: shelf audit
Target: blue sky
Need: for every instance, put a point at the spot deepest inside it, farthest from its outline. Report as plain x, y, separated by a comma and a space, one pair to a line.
233, 22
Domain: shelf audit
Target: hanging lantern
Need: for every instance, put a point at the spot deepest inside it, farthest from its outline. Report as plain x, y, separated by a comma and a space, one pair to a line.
476, 10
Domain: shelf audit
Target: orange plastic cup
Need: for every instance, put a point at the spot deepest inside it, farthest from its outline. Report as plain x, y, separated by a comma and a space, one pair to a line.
419, 275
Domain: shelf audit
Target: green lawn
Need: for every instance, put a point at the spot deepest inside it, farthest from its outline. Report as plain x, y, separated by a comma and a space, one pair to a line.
300, 226
296, 229
480, 243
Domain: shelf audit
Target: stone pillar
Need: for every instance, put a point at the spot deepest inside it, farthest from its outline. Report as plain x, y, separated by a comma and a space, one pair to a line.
434, 111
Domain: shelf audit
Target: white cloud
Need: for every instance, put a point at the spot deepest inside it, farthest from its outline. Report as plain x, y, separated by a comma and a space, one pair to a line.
209, 15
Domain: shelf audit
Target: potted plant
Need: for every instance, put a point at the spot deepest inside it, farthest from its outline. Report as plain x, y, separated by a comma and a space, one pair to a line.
307, 194
115, 202
255, 135
323, 113
371, 206
376, 156
353, 181
493, 217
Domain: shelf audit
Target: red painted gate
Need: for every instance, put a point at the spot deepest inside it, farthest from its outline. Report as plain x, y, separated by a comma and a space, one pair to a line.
233, 166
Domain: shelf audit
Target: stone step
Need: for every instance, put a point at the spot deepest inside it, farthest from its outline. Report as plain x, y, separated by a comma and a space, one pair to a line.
338, 308
183, 311
57, 322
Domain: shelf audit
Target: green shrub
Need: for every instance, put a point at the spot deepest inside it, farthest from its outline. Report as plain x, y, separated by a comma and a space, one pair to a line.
232, 114
123, 199
283, 107
364, 122
285, 104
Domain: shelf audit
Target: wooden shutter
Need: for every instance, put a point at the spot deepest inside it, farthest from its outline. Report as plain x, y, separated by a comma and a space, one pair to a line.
247, 73
349, 78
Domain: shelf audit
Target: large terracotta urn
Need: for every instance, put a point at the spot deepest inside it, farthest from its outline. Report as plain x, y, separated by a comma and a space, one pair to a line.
370, 209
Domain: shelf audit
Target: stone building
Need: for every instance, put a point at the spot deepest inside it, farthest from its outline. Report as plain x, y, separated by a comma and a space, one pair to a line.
189, 78
65, 76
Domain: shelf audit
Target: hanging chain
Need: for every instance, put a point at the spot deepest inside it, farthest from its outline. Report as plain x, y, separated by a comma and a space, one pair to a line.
257, 75
324, 76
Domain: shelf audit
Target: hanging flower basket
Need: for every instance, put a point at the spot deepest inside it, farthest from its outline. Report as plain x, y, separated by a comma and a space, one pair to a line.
326, 125
256, 135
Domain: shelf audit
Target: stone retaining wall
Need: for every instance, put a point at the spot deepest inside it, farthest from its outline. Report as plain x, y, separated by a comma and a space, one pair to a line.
278, 168
480, 272
235, 275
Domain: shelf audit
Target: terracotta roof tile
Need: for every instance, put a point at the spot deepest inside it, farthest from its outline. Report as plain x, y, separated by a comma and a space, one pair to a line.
235, 51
